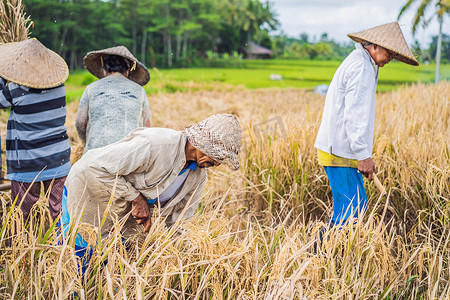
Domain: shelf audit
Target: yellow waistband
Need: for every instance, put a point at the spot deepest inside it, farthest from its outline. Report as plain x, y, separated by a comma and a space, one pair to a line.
330, 160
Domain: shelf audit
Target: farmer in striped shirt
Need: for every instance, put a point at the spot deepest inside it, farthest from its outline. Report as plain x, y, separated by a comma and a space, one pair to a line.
37, 146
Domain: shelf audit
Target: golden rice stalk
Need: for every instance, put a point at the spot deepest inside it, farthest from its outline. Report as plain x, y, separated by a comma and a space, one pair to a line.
14, 23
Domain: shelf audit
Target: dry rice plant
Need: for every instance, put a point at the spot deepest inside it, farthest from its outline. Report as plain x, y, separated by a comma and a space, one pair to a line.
217, 257
411, 147
255, 233
14, 23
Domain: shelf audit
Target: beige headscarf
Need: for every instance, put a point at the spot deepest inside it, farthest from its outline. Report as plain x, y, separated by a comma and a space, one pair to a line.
219, 137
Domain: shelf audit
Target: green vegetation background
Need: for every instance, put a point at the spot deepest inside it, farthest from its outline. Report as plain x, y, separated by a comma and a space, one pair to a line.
255, 74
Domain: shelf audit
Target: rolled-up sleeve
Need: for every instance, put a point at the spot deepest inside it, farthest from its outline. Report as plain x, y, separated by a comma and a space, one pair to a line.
360, 85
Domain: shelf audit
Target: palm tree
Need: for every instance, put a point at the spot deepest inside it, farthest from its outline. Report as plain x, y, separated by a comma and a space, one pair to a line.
442, 7
258, 14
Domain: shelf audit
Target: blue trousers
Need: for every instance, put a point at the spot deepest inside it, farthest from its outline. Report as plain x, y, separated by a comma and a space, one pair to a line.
349, 195
82, 251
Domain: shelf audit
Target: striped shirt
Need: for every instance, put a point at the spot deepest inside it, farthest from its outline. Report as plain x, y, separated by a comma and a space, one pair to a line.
37, 144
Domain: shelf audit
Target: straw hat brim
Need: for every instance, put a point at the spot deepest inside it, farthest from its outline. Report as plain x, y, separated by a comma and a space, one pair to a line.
29, 63
93, 63
388, 36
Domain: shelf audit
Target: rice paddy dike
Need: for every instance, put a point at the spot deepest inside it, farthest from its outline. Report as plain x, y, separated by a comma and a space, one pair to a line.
254, 232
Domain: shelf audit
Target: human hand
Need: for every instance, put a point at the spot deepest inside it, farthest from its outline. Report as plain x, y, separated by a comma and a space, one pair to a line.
141, 212
367, 168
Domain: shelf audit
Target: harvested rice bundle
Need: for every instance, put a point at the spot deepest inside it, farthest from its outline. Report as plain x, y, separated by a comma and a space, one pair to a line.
14, 23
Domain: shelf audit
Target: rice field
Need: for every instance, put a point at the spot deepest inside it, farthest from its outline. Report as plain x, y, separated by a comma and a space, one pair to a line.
256, 74
254, 234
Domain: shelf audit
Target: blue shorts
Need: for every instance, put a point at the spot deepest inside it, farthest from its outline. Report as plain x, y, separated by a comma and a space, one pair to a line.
349, 195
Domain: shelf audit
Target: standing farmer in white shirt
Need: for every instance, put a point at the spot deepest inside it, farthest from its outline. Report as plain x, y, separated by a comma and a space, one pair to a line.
345, 136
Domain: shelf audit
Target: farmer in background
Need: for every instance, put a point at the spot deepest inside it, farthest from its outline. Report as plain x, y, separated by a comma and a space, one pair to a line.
37, 146
149, 167
346, 134
113, 106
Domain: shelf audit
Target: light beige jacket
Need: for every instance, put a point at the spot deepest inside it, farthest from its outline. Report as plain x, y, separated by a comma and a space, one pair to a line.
146, 161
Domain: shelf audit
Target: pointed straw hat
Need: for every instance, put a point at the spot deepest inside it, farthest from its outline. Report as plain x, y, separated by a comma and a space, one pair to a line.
93, 62
31, 64
219, 137
388, 36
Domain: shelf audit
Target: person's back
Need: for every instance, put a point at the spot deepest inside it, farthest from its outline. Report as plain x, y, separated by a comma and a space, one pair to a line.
37, 145
116, 106
356, 78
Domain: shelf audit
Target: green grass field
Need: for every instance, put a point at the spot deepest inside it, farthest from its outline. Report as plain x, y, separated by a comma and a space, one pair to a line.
256, 74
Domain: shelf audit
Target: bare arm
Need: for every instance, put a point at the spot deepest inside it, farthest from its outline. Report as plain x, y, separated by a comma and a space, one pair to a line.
82, 116
81, 122
146, 114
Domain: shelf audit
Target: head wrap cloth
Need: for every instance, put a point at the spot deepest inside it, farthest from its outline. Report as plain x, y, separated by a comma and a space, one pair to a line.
219, 137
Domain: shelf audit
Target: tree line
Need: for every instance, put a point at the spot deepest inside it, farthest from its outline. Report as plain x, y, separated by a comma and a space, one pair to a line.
158, 32
172, 33
325, 48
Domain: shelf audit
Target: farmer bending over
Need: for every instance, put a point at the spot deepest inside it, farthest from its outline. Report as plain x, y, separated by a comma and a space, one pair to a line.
149, 167
345, 136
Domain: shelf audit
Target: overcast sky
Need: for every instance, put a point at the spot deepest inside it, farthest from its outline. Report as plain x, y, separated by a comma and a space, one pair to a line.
339, 17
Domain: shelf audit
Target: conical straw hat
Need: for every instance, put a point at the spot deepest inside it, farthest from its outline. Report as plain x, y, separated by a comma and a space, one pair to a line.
388, 36
93, 63
31, 64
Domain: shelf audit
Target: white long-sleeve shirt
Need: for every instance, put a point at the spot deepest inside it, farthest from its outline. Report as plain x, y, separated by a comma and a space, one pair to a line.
349, 114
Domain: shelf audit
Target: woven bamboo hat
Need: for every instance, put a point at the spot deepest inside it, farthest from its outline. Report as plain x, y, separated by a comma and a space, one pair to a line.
388, 36
219, 137
31, 64
93, 62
